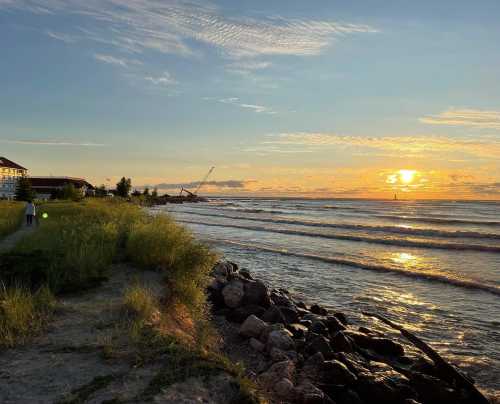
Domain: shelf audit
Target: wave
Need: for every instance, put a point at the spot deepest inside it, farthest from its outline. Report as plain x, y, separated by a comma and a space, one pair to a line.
396, 242
439, 220
361, 227
424, 275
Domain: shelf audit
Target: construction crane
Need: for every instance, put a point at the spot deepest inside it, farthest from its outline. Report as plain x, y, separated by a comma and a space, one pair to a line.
200, 184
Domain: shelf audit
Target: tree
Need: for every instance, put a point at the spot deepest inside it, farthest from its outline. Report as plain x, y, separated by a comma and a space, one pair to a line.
146, 191
154, 194
24, 192
136, 193
101, 191
123, 187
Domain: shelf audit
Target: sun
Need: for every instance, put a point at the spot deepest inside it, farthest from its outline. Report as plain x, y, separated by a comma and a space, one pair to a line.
406, 176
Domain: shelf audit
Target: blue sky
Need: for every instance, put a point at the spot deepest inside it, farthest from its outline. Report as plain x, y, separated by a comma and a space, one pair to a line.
317, 98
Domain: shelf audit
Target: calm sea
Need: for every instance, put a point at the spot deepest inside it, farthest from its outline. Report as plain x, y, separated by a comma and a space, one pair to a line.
433, 266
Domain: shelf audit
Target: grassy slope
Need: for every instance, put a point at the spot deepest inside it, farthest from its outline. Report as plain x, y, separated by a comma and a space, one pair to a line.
11, 216
72, 250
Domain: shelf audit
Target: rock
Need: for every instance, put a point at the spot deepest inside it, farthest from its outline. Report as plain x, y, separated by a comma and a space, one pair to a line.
340, 342
252, 327
354, 362
317, 309
215, 294
233, 294
387, 346
285, 390
312, 366
277, 372
277, 355
319, 327
257, 293
333, 324
384, 386
223, 269
319, 344
341, 317
245, 274
257, 345
281, 339
300, 304
273, 315
289, 314
241, 313
281, 300
433, 390
298, 330
348, 397
305, 323
337, 373
309, 393
269, 329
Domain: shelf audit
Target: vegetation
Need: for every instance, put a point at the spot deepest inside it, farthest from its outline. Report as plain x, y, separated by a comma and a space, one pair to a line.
123, 187
23, 313
11, 216
68, 192
24, 192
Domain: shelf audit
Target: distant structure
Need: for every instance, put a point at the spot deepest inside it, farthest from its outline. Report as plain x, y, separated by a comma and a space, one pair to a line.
10, 172
46, 187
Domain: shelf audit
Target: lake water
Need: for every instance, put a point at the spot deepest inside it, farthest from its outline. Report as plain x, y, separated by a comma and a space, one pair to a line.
432, 266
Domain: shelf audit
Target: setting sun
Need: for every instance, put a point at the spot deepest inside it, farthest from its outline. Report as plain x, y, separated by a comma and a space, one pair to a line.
407, 176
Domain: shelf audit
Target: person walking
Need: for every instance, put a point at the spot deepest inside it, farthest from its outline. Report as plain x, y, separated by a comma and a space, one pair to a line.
30, 213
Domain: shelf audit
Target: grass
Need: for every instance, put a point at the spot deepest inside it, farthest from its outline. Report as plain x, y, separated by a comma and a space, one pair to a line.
23, 313
11, 217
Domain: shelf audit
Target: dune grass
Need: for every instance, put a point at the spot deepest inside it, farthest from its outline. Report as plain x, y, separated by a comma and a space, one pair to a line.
11, 216
23, 313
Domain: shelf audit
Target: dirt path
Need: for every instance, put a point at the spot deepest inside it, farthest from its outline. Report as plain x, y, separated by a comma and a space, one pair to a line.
11, 240
76, 360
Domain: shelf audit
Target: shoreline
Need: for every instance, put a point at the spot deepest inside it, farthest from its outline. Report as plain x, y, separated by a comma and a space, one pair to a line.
306, 354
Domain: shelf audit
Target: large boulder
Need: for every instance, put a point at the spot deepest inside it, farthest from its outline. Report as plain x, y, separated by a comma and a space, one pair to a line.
308, 393
252, 327
341, 342
285, 390
223, 269
233, 294
336, 372
317, 309
298, 330
289, 314
433, 390
321, 344
277, 372
273, 315
256, 292
281, 339
387, 346
334, 324
241, 313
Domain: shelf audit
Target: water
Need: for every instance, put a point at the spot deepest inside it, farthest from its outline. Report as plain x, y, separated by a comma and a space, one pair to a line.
432, 266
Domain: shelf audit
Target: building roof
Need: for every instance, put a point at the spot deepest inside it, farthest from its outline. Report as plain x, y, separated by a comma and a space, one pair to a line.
55, 182
4, 162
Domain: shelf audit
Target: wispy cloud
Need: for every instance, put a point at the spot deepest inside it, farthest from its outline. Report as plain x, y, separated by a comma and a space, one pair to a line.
489, 147
112, 60
465, 117
165, 26
61, 37
260, 109
247, 67
50, 142
165, 79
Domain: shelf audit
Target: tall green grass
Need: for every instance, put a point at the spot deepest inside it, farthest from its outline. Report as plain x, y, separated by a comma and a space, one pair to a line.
161, 244
11, 216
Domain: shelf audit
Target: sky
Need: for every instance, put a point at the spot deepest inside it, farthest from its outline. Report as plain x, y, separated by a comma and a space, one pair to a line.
348, 99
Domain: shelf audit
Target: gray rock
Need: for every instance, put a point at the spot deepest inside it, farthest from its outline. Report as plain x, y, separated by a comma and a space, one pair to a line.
319, 344
309, 393
319, 327
387, 346
269, 329
223, 269
273, 315
252, 327
433, 390
384, 385
233, 294
241, 313
281, 339
334, 324
298, 330
317, 309
341, 343
285, 390
277, 372
277, 355
337, 373
257, 293
257, 345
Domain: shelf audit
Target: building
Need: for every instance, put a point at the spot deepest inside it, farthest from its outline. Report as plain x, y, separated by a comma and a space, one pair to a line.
47, 187
10, 172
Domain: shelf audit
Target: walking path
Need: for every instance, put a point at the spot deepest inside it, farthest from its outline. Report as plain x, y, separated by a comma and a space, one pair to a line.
9, 242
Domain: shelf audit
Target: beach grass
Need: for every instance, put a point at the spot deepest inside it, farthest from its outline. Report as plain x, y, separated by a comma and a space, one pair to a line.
11, 216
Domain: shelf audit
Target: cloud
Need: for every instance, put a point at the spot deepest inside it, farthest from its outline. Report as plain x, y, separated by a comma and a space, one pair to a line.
116, 61
62, 37
216, 184
247, 67
465, 117
48, 142
488, 147
168, 26
165, 79
236, 101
